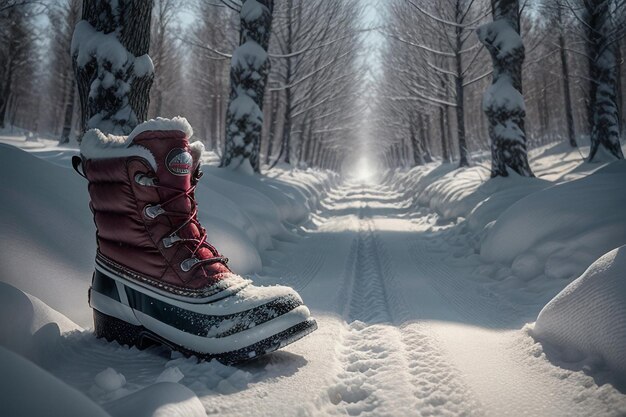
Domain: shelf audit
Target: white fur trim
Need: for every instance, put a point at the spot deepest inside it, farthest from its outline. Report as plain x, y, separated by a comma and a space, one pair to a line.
177, 123
197, 148
97, 145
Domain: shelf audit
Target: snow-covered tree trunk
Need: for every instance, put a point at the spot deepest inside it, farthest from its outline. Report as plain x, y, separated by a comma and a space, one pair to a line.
603, 108
113, 70
503, 102
248, 77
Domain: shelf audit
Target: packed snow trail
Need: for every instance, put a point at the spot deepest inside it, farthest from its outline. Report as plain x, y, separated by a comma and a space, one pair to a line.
402, 332
420, 337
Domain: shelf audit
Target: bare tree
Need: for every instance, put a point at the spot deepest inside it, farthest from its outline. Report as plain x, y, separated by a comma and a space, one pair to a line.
565, 71
315, 76
216, 30
63, 17
168, 59
454, 21
17, 55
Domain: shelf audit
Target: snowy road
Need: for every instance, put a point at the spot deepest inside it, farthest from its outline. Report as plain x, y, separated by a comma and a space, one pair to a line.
402, 332
405, 333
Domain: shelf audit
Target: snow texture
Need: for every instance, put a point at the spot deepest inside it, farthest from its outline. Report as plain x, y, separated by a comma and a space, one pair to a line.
109, 380
162, 399
177, 123
249, 56
502, 95
117, 70
502, 36
252, 10
587, 320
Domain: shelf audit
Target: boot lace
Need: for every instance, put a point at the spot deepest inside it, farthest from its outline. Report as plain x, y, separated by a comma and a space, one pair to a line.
190, 217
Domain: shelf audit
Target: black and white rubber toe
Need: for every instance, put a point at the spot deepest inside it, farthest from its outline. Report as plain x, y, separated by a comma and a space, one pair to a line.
241, 325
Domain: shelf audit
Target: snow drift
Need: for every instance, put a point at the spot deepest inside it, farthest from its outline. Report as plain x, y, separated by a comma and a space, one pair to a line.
27, 325
564, 227
588, 318
28, 391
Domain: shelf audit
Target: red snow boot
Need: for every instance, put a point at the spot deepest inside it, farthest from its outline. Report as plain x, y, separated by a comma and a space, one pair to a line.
157, 279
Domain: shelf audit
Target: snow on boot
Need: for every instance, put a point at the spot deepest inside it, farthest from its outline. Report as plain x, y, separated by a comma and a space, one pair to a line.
157, 279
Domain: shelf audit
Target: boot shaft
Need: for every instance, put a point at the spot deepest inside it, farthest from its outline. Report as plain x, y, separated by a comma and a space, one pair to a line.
141, 190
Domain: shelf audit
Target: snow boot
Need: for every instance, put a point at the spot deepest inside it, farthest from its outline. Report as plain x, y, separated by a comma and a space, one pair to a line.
157, 279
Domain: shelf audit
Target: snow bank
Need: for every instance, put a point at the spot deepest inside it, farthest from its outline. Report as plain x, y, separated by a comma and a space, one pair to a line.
469, 193
504, 194
27, 325
459, 193
565, 227
28, 391
29, 329
587, 320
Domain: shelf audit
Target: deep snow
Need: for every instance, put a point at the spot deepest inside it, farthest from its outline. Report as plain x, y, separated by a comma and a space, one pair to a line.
585, 321
415, 316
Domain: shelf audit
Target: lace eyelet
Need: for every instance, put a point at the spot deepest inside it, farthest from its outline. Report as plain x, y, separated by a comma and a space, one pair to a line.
143, 179
189, 263
169, 241
152, 212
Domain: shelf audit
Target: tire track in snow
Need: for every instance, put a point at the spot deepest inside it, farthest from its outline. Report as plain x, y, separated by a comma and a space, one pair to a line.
437, 385
368, 301
373, 377
386, 369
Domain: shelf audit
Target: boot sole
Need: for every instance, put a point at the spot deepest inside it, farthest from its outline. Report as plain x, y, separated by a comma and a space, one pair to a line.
114, 329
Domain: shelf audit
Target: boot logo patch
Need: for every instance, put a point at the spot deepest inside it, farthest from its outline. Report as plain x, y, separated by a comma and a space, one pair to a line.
179, 162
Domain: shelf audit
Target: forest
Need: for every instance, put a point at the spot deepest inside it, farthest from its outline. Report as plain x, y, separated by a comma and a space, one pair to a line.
412, 74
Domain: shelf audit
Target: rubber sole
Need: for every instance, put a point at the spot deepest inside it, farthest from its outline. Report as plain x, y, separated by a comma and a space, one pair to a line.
114, 329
